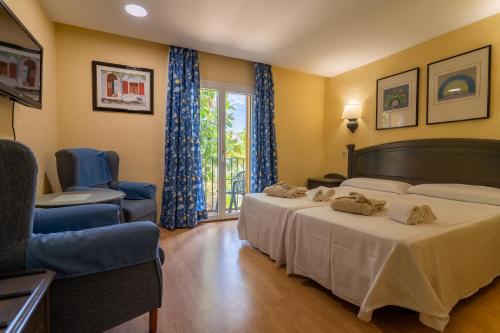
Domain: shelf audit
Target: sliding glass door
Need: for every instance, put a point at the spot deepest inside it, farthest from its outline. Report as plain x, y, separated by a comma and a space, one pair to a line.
225, 113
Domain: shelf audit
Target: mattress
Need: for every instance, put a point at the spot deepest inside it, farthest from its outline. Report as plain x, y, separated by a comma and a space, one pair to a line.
374, 261
263, 219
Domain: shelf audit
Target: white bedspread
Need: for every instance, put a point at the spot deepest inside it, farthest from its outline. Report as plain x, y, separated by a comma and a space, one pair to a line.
263, 220
374, 261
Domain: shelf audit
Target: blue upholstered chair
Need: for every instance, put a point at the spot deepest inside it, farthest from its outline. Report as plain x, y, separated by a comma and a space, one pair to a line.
83, 168
107, 273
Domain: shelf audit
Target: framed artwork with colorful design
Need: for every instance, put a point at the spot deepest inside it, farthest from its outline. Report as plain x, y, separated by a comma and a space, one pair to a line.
458, 88
122, 88
397, 100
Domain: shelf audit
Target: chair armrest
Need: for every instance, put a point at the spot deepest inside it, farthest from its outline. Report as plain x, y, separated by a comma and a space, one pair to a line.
161, 255
78, 253
136, 190
75, 218
77, 188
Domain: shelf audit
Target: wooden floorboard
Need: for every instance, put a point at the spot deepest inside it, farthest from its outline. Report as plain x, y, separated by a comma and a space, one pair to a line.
213, 282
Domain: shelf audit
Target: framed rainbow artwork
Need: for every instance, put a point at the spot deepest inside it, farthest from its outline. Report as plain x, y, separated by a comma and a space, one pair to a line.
458, 88
397, 100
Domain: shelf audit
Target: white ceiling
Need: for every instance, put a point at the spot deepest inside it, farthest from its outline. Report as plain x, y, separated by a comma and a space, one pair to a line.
325, 37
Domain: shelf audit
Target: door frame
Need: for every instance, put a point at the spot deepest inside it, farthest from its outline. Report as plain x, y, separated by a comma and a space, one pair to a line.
222, 88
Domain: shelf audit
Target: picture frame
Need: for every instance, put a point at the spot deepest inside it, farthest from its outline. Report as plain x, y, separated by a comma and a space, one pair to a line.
458, 87
121, 88
397, 100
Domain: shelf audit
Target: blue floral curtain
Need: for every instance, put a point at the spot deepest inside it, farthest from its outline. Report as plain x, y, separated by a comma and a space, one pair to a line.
183, 202
263, 152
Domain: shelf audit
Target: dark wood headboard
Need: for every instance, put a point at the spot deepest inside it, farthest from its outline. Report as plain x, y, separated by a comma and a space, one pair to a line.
466, 161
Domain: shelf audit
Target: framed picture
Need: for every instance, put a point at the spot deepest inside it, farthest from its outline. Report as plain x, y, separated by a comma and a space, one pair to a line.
458, 88
397, 100
122, 88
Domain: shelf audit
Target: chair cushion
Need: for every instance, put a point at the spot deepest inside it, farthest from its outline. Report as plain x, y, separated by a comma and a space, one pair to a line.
135, 190
73, 218
77, 253
135, 210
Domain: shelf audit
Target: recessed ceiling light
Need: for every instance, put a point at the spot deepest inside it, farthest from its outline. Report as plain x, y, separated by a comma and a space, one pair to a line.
136, 10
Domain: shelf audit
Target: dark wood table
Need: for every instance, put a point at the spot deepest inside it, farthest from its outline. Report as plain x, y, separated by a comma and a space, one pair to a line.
24, 301
77, 198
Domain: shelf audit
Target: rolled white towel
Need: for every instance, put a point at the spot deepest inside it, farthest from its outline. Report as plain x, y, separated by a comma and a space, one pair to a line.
408, 212
314, 194
328, 194
321, 194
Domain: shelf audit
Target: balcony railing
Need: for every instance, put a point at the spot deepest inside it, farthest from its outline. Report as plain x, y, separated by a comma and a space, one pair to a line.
235, 183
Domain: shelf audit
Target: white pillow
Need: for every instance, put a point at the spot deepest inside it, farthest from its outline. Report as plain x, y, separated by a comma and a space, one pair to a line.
459, 192
383, 185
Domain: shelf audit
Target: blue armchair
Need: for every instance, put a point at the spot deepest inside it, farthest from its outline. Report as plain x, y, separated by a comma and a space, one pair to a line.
107, 273
84, 168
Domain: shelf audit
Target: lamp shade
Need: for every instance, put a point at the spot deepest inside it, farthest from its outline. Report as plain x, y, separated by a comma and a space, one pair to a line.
351, 111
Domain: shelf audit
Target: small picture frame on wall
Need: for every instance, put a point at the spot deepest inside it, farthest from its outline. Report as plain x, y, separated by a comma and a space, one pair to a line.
458, 87
397, 100
121, 88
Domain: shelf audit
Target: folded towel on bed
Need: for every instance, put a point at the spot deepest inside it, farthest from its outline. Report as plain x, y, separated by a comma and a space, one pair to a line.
283, 190
321, 194
407, 212
357, 203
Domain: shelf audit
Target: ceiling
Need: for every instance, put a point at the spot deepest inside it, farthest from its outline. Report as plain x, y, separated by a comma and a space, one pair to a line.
325, 37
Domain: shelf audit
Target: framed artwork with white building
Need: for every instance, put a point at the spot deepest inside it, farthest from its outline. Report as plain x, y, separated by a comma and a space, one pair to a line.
122, 88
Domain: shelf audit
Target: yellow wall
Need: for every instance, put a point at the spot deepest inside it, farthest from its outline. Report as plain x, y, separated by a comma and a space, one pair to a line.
214, 67
299, 115
311, 137
359, 86
140, 139
36, 128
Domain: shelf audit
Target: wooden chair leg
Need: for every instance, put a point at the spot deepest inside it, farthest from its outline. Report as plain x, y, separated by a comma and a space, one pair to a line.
153, 320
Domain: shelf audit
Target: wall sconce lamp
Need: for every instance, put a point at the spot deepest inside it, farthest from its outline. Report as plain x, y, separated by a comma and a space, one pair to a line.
352, 112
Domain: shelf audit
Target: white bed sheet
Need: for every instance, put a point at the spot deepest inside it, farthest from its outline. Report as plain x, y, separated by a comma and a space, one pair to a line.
374, 261
263, 220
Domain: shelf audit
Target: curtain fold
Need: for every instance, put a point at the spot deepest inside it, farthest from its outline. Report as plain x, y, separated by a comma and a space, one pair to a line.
183, 202
263, 151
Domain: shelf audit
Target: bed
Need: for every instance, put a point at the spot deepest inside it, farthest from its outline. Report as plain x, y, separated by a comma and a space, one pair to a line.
373, 261
308, 240
262, 222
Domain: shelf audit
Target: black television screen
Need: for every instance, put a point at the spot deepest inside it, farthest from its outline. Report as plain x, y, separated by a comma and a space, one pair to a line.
21, 59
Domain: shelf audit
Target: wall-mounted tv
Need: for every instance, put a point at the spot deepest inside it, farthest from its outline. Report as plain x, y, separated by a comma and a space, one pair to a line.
21, 60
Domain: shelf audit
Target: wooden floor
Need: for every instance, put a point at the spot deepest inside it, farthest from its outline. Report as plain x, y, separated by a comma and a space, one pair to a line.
215, 283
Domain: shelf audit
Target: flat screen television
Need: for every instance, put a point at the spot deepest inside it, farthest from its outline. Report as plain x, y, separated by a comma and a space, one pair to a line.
21, 59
